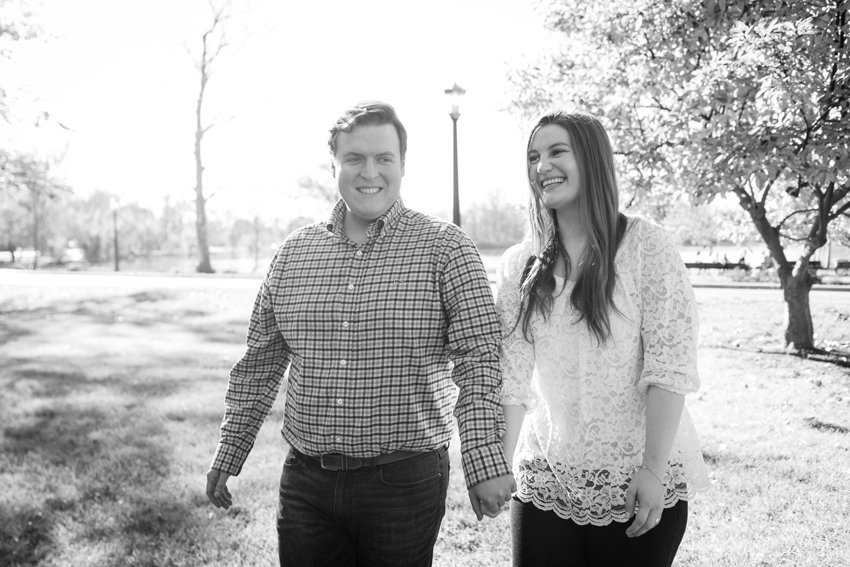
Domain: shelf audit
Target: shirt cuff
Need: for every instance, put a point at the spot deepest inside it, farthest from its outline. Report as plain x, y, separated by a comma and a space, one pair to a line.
484, 463
229, 459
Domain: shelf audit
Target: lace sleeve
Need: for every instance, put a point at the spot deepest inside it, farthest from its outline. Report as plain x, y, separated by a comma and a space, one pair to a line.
517, 354
670, 318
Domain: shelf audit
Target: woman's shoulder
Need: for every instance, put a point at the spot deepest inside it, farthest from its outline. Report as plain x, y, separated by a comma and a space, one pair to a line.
514, 259
643, 232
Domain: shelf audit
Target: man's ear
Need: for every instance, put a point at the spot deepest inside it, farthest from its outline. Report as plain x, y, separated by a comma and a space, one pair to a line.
333, 169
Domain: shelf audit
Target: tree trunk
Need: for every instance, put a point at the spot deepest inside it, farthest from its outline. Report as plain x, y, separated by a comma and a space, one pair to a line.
35, 229
799, 330
204, 265
795, 279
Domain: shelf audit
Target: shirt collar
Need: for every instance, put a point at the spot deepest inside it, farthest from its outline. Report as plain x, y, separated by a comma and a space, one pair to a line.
388, 219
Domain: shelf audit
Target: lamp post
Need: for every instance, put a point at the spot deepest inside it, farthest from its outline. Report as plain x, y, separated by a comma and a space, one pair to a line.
455, 93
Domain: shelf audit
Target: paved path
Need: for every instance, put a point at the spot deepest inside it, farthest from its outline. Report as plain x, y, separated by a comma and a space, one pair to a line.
124, 280
99, 280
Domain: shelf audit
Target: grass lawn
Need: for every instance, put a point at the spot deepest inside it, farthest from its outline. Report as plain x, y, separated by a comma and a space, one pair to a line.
110, 402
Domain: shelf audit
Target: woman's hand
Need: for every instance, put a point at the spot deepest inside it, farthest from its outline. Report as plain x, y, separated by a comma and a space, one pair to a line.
645, 488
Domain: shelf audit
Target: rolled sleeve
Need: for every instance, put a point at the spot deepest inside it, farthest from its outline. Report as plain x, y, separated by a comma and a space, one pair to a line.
473, 346
670, 322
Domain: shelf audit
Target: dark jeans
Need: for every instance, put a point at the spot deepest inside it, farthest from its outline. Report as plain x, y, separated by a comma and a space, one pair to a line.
382, 516
542, 539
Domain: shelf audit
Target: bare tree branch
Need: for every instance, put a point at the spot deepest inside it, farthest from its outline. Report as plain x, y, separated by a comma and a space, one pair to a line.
798, 212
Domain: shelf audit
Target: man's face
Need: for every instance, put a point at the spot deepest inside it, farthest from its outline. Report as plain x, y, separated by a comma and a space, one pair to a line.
368, 170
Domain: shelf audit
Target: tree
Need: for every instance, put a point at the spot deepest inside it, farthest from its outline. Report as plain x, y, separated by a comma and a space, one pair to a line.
713, 97
213, 42
16, 24
319, 188
29, 186
493, 223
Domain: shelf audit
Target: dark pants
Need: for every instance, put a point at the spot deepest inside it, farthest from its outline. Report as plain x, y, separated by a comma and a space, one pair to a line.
388, 515
542, 539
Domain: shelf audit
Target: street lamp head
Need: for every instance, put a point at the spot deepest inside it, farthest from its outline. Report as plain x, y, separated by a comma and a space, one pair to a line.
455, 93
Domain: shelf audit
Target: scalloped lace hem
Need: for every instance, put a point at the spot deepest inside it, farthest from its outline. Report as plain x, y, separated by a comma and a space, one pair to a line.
597, 518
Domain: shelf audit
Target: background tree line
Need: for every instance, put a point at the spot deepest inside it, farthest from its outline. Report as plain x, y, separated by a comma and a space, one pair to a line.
50, 218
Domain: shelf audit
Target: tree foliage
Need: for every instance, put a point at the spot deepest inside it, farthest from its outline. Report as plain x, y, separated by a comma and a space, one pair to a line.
318, 188
710, 97
28, 189
16, 24
494, 223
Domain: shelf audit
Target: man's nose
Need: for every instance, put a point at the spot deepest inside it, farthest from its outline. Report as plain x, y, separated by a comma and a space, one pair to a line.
369, 170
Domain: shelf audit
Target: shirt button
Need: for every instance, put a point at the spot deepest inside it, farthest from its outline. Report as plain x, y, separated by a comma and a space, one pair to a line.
342, 362
345, 324
351, 286
359, 253
338, 439
339, 402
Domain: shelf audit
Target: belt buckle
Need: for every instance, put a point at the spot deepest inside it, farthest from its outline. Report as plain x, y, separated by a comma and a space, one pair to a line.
345, 463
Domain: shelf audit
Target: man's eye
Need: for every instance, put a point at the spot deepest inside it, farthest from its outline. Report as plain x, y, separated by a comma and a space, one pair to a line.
352, 160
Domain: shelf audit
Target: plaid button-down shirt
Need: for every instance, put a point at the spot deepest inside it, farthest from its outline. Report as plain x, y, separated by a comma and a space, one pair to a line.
373, 336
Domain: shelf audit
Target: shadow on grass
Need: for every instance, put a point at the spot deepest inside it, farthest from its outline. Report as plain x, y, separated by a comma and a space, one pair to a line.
815, 423
88, 443
102, 470
10, 332
51, 383
143, 310
47, 383
24, 536
90, 467
840, 359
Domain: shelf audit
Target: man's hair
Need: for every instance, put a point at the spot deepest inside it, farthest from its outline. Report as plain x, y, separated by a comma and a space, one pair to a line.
368, 113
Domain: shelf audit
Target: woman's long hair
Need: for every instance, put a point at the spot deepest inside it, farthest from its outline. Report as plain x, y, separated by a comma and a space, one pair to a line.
598, 204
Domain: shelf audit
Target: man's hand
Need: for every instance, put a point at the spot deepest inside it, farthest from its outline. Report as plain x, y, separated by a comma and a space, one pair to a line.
488, 497
217, 489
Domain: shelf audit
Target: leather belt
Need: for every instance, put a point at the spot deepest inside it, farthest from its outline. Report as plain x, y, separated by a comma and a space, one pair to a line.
338, 462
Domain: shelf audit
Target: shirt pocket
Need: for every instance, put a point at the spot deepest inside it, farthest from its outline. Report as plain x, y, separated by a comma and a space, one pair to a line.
307, 317
406, 308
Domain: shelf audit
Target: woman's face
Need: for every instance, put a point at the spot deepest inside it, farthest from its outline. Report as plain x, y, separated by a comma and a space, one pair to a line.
552, 167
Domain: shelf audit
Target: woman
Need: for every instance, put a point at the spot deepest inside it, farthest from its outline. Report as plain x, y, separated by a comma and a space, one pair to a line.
599, 349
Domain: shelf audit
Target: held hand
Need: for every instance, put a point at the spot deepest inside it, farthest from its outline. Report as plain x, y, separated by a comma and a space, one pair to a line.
217, 490
645, 488
488, 497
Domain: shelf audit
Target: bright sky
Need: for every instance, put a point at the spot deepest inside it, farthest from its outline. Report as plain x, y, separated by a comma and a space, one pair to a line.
118, 74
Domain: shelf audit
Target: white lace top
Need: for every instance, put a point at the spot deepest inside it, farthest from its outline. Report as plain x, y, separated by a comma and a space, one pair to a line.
584, 435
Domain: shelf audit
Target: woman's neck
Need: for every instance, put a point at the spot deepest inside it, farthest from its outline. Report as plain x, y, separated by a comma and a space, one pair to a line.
573, 236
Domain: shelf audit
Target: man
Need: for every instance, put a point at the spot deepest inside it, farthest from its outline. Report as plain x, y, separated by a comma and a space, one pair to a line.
375, 312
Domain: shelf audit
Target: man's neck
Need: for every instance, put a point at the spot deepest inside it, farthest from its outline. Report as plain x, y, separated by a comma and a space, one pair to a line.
354, 230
